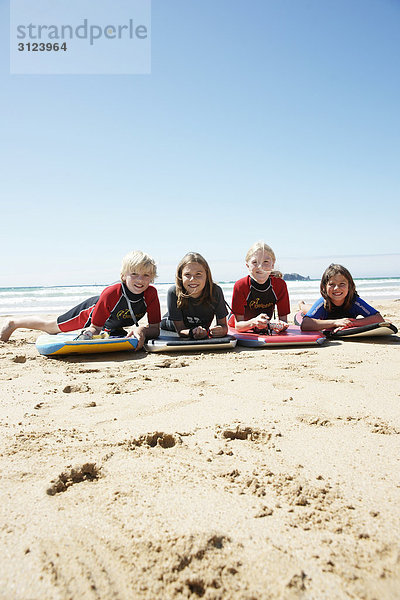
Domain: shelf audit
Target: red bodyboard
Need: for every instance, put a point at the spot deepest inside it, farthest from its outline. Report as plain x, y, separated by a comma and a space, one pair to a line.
293, 336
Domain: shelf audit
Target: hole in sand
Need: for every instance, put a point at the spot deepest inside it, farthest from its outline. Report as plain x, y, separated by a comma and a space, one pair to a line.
196, 586
165, 440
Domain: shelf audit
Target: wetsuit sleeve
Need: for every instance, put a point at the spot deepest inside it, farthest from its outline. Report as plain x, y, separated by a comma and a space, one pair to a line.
109, 298
153, 305
361, 308
282, 296
221, 310
174, 313
239, 296
318, 310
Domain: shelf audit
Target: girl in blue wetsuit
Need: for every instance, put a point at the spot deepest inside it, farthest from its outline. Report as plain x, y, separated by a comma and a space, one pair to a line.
340, 305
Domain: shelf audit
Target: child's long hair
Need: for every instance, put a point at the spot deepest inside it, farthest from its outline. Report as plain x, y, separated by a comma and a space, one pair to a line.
207, 295
331, 271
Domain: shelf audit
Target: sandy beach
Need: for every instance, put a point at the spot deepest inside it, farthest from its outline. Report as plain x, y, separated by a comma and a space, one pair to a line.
250, 474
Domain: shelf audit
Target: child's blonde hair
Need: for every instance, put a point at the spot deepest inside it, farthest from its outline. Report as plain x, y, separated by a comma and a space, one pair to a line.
260, 246
139, 262
268, 250
207, 295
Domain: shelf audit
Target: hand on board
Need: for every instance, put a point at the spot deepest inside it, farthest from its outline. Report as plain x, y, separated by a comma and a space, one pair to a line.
278, 326
261, 321
343, 323
199, 333
138, 333
217, 331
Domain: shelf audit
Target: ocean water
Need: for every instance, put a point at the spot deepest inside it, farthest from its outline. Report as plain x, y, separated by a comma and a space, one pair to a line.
58, 299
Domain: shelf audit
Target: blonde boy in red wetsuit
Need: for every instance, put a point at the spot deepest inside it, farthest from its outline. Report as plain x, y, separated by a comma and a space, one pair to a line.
119, 305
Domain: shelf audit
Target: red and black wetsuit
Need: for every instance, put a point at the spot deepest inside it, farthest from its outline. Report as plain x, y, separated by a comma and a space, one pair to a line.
110, 310
251, 298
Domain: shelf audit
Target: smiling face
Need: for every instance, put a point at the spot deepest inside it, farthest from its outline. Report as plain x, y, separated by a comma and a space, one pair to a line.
337, 289
137, 283
194, 279
260, 266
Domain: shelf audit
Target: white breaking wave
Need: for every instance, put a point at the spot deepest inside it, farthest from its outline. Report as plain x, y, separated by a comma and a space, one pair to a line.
56, 300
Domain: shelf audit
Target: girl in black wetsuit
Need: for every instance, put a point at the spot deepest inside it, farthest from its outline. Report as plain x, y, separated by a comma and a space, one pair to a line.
194, 301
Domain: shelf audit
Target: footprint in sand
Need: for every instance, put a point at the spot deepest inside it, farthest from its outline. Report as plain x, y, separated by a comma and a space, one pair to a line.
315, 420
157, 438
203, 564
71, 388
20, 358
383, 428
298, 582
264, 511
85, 472
171, 363
242, 432
124, 388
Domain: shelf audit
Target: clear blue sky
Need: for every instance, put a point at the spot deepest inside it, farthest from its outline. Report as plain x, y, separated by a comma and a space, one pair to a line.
261, 119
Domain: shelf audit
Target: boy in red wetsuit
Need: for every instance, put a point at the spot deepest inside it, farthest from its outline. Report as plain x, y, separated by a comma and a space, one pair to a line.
120, 305
256, 295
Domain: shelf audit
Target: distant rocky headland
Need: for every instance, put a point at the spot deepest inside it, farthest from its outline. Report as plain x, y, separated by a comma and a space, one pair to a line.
295, 277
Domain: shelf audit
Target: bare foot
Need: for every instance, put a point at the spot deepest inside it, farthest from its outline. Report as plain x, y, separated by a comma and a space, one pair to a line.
303, 307
7, 330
